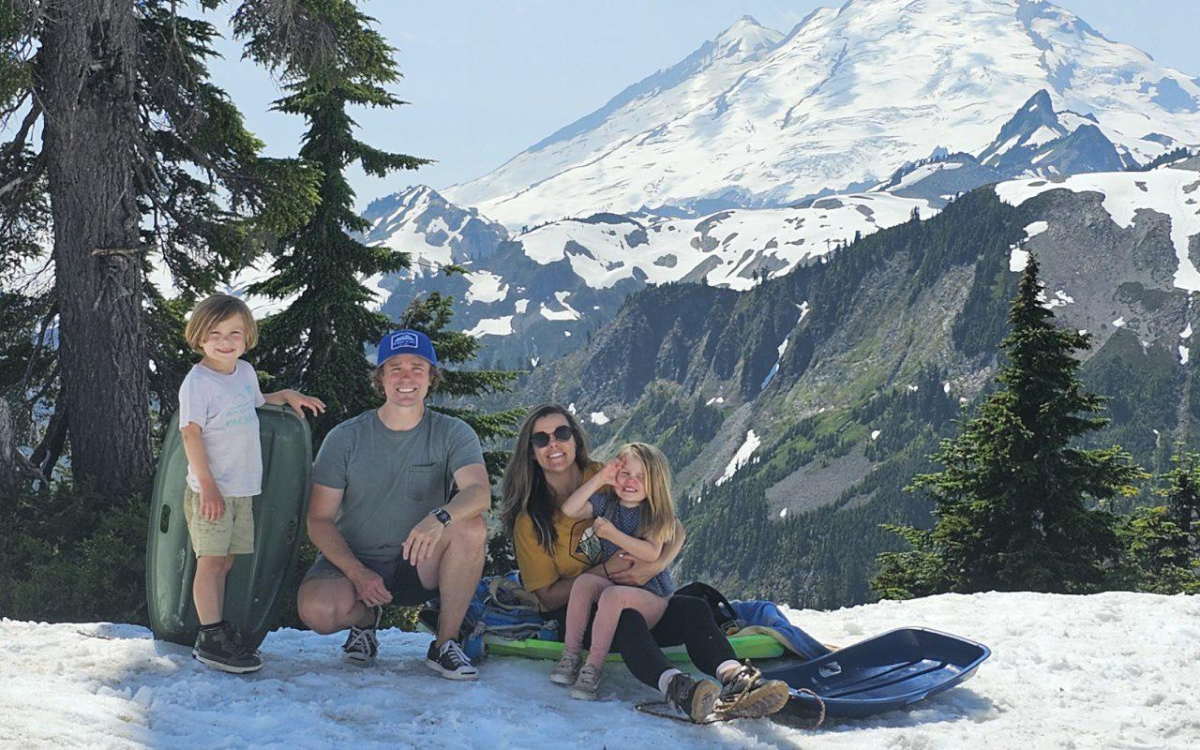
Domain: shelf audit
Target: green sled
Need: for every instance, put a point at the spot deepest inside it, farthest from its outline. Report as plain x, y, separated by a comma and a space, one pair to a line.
254, 591
745, 646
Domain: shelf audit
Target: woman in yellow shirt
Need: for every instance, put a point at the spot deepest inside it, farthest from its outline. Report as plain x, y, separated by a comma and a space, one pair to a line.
549, 462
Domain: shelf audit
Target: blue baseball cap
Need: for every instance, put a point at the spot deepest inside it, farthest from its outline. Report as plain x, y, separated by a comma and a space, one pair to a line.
406, 342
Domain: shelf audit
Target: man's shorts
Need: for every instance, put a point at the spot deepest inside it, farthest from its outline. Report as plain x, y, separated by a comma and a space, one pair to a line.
231, 534
398, 575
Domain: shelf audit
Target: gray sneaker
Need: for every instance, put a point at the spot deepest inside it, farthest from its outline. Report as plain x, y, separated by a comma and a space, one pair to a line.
567, 670
587, 684
362, 646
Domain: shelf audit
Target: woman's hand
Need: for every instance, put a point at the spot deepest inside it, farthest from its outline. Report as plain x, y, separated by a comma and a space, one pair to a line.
634, 572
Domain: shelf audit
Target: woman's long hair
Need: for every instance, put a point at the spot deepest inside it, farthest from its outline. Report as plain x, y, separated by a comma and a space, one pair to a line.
524, 485
658, 512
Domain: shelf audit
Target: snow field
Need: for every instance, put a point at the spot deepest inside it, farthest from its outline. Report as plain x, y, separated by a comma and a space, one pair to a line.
1114, 670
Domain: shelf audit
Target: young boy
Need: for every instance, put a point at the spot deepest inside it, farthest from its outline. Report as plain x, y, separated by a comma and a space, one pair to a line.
220, 437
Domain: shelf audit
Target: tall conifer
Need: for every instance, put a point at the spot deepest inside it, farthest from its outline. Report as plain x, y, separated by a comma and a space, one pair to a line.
1016, 503
317, 344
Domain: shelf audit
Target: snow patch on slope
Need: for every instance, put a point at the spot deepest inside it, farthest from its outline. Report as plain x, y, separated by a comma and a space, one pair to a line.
1125, 193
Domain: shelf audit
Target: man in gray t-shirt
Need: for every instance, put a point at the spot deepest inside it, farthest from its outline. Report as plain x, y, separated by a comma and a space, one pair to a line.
384, 518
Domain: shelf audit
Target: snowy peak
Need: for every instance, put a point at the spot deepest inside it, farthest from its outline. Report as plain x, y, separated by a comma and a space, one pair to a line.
745, 39
432, 230
1034, 124
850, 95
635, 114
1039, 141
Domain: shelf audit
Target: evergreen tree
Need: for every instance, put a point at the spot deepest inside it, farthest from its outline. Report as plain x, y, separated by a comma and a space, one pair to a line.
1161, 548
139, 160
1183, 495
458, 387
1014, 500
317, 344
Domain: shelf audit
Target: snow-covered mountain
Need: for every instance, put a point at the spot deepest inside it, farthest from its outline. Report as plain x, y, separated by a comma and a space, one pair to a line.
850, 95
1111, 670
566, 278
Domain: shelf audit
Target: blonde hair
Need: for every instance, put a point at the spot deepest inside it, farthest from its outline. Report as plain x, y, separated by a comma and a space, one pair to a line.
216, 310
658, 512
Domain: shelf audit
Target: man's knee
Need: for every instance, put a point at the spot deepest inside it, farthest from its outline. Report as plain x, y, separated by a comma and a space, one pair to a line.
471, 533
322, 614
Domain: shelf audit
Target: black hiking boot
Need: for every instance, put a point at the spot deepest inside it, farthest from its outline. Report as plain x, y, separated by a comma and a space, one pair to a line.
221, 648
693, 698
450, 661
745, 694
362, 646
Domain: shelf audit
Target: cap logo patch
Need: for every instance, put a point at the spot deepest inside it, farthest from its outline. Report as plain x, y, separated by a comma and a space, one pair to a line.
404, 340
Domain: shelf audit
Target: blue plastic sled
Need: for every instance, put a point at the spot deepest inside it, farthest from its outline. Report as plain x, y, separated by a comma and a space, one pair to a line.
883, 673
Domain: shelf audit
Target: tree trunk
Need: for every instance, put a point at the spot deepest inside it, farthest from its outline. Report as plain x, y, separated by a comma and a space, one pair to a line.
86, 81
8, 452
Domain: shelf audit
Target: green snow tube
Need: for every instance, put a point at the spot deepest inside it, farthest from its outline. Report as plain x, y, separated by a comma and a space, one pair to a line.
255, 587
744, 646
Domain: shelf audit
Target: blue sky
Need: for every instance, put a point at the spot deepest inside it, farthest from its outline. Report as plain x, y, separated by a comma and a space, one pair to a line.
486, 79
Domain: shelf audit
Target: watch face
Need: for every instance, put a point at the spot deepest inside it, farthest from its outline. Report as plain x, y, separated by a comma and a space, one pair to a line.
442, 515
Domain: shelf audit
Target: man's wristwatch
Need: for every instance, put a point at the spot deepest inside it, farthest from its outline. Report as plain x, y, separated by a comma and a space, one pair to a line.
441, 515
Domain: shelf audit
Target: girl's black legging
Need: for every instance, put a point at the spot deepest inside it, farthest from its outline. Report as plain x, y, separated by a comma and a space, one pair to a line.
688, 620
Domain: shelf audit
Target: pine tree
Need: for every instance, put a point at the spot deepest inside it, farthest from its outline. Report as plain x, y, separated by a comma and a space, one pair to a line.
458, 387
317, 344
1014, 501
127, 156
1183, 495
1161, 547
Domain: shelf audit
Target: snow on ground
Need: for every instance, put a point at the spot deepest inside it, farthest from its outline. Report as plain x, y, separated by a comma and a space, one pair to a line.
1113, 670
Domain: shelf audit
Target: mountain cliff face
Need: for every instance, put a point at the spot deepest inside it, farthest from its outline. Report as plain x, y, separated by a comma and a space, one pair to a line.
755, 119
795, 412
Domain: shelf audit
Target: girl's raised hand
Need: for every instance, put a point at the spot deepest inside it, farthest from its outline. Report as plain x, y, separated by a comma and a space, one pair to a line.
610, 470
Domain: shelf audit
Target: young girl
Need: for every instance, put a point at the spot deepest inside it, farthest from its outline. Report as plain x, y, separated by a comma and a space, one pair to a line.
220, 437
630, 499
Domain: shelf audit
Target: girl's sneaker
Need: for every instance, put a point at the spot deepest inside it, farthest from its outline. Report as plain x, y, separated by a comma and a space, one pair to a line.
567, 670
587, 684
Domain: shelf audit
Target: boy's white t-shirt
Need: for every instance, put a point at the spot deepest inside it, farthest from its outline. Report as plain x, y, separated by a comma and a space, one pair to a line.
223, 407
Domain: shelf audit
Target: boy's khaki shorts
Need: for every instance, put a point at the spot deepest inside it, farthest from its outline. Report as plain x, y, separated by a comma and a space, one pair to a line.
231, 534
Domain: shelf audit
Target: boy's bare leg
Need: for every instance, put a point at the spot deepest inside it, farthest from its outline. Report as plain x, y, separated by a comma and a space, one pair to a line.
208, 586
455, 567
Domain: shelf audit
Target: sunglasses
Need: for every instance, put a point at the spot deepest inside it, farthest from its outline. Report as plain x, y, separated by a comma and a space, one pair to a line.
562, 434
